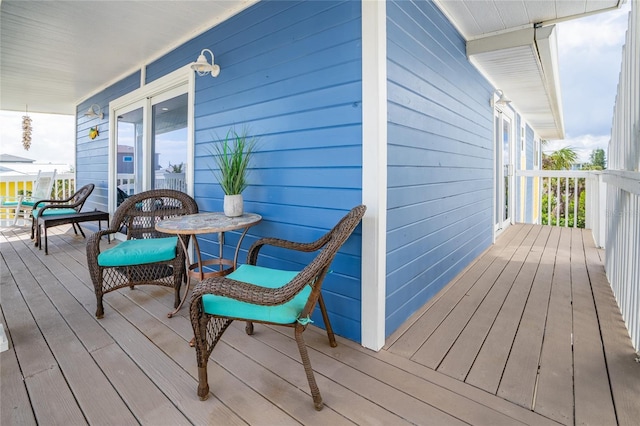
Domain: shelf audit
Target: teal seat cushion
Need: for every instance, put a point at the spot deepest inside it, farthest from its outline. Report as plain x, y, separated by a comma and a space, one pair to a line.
139, 252
53, 212
29, 203
264, 277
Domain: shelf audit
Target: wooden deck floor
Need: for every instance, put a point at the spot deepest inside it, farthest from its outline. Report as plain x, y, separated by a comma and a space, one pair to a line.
494, 347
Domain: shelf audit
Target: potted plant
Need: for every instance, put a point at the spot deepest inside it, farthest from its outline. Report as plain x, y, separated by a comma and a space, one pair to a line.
232, 156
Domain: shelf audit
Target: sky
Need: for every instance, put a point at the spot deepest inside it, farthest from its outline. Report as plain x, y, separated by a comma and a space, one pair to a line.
590, 52
589, 57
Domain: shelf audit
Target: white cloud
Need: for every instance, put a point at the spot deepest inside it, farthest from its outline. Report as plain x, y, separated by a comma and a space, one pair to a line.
590, 54
52, 139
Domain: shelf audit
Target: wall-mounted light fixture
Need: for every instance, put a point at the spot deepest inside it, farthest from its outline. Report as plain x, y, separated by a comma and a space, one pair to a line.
203, 67
94, 111
502, 99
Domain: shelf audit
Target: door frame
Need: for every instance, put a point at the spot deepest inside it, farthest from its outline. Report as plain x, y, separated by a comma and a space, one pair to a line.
172, 83
502, 113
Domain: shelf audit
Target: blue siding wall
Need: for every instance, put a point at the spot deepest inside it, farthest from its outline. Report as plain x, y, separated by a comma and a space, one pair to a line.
92, 156
440, 157
291, 75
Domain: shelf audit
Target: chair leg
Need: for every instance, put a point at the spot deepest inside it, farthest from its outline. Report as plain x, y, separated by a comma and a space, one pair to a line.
302, 347
327, 323
177, 285
99, 307
46, 242
203, 385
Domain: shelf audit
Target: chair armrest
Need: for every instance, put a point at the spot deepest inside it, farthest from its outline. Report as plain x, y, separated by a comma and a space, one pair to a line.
93, 244
252, 255
57, 201
55, 206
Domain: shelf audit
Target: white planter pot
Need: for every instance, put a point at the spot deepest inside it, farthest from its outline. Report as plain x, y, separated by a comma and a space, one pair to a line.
233, 205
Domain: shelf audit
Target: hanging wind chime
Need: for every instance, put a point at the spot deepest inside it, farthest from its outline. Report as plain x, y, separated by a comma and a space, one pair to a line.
26, 131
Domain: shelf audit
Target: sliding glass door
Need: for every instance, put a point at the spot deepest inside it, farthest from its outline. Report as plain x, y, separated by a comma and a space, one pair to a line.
151, 138
169, 131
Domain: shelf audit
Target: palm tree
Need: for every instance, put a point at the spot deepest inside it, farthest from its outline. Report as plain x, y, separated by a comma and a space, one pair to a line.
561, 159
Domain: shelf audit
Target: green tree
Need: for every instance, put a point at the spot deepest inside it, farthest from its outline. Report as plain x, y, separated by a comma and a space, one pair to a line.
557, 201
597, 160
561, 159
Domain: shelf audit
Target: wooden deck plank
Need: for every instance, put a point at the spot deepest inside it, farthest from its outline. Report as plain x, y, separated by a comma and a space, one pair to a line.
593, 401
368, 386
520, 375
178, 386
145, 400
51, 398
460, 358
554, 397
427, 384
494, 285
486, 372
15, 407
342, 404
95, 395
437, 310
624, 371
259, 379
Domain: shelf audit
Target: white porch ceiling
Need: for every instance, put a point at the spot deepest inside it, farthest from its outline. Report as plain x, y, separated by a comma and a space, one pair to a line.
54, 54
513, 44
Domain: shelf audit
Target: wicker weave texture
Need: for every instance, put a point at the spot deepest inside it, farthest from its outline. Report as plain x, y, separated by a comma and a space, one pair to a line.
136, 217
208, 329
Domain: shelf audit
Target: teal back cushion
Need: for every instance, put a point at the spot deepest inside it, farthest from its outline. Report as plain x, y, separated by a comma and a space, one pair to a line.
139, 252
264, 277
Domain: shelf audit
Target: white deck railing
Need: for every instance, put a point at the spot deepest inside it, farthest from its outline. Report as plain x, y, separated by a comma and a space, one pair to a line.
622, 254
562, 198
14, 185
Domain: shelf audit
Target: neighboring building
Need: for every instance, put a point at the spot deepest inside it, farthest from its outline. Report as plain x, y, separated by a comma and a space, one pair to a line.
16, 172
381, 103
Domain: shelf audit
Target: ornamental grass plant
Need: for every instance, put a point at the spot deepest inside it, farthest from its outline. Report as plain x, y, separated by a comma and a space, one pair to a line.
232, 156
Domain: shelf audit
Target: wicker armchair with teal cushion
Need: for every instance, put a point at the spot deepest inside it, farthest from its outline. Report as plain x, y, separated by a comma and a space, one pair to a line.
54, 207
146, 257
258, 294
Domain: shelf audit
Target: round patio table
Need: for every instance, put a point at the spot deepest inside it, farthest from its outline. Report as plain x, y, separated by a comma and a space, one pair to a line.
207, 223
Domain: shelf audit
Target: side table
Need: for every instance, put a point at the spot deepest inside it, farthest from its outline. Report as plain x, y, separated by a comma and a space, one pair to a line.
207, 223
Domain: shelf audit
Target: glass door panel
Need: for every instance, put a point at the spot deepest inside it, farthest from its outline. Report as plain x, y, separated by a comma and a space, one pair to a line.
129, 158
506, 167
169, 143
503, 129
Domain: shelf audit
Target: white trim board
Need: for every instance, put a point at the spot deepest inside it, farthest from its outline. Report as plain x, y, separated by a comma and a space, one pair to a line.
374, 173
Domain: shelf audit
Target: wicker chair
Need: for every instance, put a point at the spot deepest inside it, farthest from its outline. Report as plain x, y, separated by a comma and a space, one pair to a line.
147, 256
53, 207
257, 294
